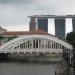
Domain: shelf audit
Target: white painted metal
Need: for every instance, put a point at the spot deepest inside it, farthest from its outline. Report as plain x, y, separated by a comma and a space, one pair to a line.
10, 46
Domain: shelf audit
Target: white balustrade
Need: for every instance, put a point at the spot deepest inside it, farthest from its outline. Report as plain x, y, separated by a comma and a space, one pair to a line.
34, 45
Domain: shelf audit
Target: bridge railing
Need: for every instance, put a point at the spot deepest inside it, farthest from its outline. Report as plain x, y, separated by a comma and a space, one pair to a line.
32, 50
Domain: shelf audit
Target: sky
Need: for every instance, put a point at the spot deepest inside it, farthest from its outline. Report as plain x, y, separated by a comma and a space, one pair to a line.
13, 13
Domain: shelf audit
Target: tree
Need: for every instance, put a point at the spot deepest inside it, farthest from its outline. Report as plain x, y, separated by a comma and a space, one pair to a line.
1, 37
11, 37
70, 38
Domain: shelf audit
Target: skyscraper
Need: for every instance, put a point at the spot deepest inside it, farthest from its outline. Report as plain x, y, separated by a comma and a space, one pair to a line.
42, 24
73, 24
32, 24
60, 27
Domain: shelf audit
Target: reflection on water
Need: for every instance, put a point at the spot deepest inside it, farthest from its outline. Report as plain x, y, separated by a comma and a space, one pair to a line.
22, 68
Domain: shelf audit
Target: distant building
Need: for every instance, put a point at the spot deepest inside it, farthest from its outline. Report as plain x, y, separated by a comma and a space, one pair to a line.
21, 33
38, 23
32, 24
41, 22
73, 23
2, 30
60, 27
10, 34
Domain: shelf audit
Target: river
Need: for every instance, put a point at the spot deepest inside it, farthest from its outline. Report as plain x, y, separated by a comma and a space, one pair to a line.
23, 68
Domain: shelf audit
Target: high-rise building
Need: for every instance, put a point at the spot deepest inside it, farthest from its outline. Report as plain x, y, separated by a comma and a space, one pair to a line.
42, 24
73, 24
60, 27
32, 24
38, 24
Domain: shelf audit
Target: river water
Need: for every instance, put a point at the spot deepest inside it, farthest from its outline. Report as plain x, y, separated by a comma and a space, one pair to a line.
22, 68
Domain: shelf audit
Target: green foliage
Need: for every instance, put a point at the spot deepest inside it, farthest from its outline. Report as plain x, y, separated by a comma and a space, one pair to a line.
11, 37
1, 37
70, 38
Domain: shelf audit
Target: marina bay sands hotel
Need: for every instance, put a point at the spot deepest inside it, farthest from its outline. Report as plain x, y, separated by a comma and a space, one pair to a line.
41, 22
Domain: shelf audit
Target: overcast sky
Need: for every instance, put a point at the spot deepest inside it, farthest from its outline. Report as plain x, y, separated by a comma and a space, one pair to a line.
13, 13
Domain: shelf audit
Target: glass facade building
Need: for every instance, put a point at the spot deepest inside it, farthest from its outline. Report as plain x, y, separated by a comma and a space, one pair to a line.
60, 27
32, 25
43, 24
73, 24
60, 22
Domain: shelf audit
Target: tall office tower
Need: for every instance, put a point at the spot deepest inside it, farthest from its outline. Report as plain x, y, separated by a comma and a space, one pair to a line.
42, 24
73, 24
32, 25
60, 27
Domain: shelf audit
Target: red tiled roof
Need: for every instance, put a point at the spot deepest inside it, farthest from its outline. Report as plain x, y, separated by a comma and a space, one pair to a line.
38, 32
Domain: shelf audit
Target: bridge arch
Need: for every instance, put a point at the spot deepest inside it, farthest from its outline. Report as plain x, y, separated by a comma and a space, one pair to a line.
35, 43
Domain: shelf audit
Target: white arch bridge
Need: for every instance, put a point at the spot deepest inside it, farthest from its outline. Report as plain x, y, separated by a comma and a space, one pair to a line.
35, 43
